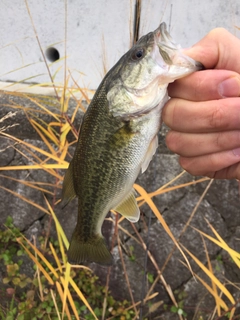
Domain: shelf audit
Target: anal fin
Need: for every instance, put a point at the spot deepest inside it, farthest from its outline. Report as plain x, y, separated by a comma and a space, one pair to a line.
129, 208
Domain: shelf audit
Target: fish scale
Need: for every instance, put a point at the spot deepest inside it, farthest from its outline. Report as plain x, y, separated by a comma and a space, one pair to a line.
118, 138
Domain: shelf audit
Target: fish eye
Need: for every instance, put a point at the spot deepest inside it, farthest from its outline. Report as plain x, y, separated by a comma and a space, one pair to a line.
137, 54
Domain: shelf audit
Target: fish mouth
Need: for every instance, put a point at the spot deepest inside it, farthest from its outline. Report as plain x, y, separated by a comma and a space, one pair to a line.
172, 54
164, 38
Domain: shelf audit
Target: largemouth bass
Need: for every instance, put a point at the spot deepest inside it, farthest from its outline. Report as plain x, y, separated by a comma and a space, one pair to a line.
118, 138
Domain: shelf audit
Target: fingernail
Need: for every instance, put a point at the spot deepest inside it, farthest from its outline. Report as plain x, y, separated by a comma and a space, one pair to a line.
236, 152
229, 88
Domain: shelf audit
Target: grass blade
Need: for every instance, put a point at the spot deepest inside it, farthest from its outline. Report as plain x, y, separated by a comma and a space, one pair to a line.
41, 268
61, 235
47, 154
81, 296
211, 276
222, 244
149, 201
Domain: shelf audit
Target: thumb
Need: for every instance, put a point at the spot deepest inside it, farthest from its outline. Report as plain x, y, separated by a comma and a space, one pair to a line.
219, 49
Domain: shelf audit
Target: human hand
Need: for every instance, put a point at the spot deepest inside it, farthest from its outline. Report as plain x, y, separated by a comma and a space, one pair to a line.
204, 112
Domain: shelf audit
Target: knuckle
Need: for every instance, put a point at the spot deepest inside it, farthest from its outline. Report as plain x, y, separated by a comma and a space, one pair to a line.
216, 119
211, 174
227, 140
233, 172
219, 141
214, 161
172, 141
236, 175
236, 138
196, 166
170, 113
186, 164
199, 86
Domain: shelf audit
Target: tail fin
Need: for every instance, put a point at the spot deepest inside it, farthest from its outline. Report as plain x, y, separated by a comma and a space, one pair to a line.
94, 250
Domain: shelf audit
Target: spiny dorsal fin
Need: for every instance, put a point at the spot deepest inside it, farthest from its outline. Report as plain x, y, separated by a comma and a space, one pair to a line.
150, 152
129, 208
68, 192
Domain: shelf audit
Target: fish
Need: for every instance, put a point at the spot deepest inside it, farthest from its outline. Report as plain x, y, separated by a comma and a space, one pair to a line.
118, 138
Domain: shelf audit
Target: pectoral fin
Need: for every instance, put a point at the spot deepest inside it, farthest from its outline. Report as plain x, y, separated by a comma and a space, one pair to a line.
68, 192
129, 208
150, 152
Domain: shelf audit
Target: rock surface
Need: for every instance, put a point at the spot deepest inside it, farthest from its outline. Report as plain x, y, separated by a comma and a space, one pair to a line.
220, 207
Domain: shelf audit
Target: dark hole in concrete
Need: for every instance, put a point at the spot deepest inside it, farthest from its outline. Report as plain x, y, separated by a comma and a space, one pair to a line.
52, 54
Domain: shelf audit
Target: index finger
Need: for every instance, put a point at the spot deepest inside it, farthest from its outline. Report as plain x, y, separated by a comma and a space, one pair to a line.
219, 49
